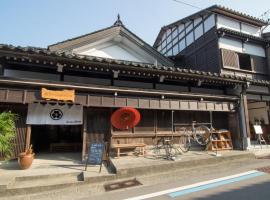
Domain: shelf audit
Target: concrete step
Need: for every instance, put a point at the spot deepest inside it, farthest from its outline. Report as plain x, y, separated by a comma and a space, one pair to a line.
158, 167
34, 184
25, 185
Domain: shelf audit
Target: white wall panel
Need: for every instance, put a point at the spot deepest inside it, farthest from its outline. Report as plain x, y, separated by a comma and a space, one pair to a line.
227, 23
254, 49
229, 44
198, 31
197, 21
209, 23
251, 30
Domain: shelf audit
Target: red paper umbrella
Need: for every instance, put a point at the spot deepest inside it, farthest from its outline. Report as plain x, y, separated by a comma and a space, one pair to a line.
125, 118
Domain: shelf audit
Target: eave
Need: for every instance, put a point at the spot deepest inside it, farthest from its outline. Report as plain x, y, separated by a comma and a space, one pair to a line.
39, 57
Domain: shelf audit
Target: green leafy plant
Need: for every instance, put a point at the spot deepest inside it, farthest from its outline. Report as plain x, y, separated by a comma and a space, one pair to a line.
7, 133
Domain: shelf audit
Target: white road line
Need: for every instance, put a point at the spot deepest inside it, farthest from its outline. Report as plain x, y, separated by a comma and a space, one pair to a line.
155, 194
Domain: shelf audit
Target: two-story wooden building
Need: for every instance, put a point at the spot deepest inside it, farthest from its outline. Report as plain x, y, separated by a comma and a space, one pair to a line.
227, 42
108, 69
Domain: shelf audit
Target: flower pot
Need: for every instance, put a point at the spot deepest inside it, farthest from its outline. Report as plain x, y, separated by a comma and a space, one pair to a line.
25, 160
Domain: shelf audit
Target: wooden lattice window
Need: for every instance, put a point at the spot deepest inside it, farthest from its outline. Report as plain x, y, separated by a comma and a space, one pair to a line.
229, 58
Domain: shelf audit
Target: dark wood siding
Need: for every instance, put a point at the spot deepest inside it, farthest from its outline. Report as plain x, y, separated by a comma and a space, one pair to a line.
202, 54
259, 64
98, 125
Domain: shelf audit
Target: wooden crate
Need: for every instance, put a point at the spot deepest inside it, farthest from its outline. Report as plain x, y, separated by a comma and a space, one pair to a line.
221, 140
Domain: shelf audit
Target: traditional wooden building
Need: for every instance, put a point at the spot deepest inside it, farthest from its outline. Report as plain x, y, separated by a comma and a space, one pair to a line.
224, 41
103, 71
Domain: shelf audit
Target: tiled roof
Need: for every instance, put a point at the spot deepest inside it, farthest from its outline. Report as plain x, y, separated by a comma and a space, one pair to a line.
153, 68
215, 9
237, 33
238, 13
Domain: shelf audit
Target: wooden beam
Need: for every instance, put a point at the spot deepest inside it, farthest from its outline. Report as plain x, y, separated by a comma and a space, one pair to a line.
28, 137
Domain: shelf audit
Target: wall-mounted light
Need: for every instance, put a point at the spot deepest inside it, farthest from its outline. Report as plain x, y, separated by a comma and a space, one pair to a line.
59, 67
115, 94
115, 74
199, 83
161, 78
162, 97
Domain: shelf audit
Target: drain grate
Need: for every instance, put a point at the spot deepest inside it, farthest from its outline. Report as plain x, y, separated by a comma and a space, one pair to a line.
121, 185
264, 169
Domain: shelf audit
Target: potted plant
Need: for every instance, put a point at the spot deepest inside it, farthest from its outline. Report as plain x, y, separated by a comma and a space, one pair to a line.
7, 134
26, 158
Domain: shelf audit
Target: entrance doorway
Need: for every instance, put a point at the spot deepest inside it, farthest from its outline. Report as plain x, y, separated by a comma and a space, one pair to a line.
258, 112
56, 138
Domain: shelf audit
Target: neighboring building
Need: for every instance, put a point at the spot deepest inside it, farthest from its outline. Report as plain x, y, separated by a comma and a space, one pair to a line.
227, 42
108, 69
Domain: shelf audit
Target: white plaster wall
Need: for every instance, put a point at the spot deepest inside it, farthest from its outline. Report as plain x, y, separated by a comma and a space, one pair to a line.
225, 22
112, 51
229, 44
209, 23
236, 45
254, 49
228, 23
249, 29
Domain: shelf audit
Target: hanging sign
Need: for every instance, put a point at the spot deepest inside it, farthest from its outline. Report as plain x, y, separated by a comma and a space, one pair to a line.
41, 114
62, 95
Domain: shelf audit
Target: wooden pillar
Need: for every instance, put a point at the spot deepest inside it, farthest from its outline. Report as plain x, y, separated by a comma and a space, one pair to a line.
246, 115
84, 130
28, 137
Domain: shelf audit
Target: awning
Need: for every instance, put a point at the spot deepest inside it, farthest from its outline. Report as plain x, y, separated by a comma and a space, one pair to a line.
54, 114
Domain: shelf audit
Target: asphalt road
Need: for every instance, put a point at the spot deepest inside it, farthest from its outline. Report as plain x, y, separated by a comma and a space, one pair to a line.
242, 187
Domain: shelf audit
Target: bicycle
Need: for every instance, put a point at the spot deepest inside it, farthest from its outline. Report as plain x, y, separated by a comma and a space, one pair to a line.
198, 132
165, 149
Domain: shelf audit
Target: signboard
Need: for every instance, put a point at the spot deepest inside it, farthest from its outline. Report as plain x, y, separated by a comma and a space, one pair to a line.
258, 129
95, 154
42, 114
62, 95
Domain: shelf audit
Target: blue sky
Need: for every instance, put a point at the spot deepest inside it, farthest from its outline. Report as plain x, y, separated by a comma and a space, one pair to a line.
41, 23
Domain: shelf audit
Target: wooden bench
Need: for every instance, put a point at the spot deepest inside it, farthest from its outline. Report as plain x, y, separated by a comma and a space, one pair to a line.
118, 147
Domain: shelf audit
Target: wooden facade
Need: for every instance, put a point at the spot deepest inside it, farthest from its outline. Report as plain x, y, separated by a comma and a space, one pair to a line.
179, 93
163, 92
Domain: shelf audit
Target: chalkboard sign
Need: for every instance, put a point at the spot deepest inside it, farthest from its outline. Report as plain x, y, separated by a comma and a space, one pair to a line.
95, 154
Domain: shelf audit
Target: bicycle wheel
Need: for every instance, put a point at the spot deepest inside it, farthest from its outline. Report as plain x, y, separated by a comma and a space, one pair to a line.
202, 135
184, 143
174, 152
159, 148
